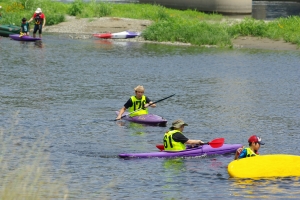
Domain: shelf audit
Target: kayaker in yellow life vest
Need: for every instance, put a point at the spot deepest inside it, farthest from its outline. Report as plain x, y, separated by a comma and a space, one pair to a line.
254, 145
174, 140
137, 102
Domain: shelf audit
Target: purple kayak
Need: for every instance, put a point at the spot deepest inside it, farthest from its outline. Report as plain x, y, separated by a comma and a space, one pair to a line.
149, 119
197, 151
23, 38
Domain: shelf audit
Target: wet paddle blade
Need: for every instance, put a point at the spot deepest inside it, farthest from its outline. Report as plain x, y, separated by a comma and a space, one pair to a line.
160, 147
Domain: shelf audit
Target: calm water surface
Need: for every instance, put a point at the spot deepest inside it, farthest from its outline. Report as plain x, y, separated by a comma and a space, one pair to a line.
71, 88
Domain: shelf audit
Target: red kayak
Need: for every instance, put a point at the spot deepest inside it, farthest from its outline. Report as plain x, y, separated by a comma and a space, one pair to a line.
120, 35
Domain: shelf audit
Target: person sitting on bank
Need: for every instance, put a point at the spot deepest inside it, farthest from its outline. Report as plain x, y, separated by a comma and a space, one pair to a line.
174, 140
254, 145
139, 101
24, 27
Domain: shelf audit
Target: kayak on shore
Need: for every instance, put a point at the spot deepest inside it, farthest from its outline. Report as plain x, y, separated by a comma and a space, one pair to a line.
275, 165
190, 152
149, 119
119, 35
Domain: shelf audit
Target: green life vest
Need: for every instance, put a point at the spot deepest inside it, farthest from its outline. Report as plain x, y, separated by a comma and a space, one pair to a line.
250, 153
170, 144
138, 104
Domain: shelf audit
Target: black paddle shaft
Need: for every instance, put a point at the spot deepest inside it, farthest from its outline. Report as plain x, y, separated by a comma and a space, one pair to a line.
149, 105
161, 99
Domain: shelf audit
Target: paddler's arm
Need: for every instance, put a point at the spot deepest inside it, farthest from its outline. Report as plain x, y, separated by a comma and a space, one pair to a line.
194, 142
152, 105
238, 152
121, 113
44, 21
148, 102
30, 20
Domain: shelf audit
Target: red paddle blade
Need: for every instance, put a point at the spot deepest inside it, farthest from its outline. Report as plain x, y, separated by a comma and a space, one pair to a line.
216, 143
160, 147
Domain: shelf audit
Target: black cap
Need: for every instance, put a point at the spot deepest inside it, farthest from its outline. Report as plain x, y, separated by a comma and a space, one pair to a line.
24, 19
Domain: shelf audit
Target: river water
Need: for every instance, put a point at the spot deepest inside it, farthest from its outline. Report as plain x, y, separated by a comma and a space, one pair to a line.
71, 89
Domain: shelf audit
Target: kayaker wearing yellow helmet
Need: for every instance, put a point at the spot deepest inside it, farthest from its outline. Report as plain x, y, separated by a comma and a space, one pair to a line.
139, 101
254, 145
174, 140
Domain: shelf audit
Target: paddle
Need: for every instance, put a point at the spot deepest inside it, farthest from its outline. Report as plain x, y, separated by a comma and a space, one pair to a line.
149, 105
215, 143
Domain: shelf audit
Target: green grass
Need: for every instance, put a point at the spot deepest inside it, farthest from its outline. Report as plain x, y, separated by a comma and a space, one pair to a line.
26, 172
168, 25
188, 31
13, 11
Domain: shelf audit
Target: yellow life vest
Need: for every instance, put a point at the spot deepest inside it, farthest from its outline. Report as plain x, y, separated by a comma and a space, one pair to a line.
170, 144
138, 104
250, 153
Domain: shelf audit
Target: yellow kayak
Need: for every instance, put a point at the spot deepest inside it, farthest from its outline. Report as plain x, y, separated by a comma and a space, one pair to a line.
279, 165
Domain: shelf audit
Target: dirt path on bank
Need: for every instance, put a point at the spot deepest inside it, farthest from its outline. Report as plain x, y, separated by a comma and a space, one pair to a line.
84, 28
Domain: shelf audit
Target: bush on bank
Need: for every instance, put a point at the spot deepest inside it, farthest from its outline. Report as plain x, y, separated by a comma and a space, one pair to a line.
14, 10
169, 24
26, 170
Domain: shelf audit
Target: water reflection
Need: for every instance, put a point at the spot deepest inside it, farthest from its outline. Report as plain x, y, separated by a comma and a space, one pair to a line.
39, 44
113, 43
265, 188
28, 44
174, 166
270, 10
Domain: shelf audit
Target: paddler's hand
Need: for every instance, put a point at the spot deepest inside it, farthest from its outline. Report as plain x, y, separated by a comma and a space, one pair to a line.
200, 142
239, 150
118, 118
151, 105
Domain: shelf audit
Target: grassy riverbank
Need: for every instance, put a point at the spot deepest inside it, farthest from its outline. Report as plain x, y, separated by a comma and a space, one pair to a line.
169, 25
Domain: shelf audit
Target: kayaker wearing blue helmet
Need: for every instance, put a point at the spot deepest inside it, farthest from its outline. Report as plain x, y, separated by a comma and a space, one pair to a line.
174, 140
254, 145
139, 101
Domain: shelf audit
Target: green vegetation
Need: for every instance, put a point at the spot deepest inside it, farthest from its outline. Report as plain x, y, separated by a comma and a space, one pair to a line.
14, 10
169, 24
26, 172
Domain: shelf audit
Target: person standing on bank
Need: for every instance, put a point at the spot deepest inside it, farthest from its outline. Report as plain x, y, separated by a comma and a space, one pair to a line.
174, 140
40, 21
139, 101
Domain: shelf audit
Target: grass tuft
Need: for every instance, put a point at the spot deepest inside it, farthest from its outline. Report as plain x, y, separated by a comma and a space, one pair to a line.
26, 172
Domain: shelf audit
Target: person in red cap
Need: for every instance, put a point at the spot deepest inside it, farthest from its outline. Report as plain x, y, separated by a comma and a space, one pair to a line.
254, 145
